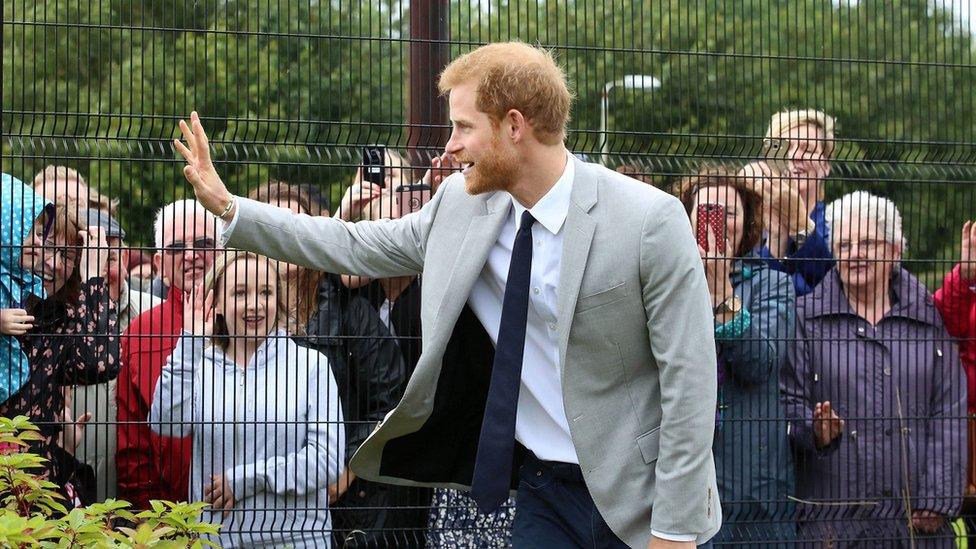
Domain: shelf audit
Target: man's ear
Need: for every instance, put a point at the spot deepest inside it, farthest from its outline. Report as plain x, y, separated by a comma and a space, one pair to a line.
515, 125
157, 262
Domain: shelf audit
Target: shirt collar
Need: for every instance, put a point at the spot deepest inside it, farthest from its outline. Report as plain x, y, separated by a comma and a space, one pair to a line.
551, 210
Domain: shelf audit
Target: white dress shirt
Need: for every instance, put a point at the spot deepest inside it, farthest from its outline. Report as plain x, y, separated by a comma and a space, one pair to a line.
540, 424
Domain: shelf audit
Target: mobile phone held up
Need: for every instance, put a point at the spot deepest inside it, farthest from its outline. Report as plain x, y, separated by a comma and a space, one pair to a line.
775, 150
374, 164
410, 198
711, 216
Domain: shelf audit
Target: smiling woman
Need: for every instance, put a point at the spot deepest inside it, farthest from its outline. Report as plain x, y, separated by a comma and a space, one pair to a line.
873, 372
264, 413
70, 340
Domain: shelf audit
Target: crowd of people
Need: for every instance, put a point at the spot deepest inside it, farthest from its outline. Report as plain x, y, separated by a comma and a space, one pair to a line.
207, 374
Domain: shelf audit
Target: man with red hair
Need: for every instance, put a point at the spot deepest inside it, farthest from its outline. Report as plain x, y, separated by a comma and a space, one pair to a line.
568, 331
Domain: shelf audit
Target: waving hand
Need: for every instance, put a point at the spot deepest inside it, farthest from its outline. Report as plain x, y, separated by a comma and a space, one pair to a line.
199, 169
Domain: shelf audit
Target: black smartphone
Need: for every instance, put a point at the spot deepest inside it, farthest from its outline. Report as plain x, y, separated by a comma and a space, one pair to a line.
774, 152
374, 164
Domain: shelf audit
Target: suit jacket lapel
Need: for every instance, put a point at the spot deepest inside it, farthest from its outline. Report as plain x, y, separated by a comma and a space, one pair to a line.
481, 235
577, 237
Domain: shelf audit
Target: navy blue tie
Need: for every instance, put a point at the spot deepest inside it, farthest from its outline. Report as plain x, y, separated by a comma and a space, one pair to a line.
496, 446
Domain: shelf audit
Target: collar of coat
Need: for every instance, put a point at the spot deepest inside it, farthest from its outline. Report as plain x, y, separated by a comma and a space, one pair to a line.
910, 299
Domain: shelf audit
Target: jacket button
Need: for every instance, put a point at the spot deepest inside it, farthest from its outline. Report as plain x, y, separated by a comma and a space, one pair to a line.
854, 434
887, 371
538, 473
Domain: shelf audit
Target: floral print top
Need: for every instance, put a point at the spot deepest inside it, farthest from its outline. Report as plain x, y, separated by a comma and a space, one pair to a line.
76, 344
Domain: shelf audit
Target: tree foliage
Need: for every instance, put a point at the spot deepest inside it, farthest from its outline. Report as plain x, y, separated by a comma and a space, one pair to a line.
289, 88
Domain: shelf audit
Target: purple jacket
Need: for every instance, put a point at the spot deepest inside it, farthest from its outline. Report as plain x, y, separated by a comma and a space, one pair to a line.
899, 387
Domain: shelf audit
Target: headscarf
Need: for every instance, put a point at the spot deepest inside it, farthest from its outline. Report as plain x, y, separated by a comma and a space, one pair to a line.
20, 207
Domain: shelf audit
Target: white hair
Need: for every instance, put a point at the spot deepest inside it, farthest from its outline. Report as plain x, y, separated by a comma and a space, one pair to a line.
864, 206
183, 209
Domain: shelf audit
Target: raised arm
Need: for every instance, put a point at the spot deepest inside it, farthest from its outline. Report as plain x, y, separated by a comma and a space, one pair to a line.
371, 248
956, 298
680, 327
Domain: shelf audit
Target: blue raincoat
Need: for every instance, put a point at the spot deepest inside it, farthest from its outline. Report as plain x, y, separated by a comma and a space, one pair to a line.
19, 208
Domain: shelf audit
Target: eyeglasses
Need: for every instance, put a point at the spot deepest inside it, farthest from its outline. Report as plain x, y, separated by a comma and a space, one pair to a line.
204, 244
62, 252
844, 247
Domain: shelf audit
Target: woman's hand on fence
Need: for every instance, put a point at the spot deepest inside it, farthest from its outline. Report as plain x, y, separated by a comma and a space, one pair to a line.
198, 312
73, 430
94, 257
827, 425
219, 494
967, 260
199, 170
927, 522
15, 322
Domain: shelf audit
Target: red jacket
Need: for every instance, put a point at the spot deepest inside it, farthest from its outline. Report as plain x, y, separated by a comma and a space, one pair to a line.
956, 300
149, 466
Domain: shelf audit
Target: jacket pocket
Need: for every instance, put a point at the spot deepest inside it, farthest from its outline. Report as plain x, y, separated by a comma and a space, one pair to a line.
650, 444
603, 297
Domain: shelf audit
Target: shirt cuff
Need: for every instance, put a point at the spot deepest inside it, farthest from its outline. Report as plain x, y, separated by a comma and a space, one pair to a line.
674, 537
229, 225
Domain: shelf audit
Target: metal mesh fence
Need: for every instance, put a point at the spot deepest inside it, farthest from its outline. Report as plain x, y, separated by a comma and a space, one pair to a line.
864, 304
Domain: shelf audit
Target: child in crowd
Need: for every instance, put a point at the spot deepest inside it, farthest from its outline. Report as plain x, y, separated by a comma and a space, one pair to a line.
22, 213
264, 412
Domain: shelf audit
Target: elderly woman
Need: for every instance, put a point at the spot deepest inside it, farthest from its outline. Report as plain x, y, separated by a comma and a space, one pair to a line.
874, 393
753, 307
69, 339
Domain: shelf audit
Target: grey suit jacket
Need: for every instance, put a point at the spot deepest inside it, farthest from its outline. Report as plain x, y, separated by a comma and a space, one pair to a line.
636, 342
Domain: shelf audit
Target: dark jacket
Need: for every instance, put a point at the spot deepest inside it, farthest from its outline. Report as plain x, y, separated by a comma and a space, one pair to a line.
753, 462
371, 373
900, 388
71, 344
364, 358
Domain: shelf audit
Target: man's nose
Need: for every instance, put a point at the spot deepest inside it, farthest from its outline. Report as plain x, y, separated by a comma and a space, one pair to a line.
190, 253
453, 146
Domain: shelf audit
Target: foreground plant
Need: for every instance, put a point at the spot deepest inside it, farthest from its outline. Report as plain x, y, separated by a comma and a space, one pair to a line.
32, 513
